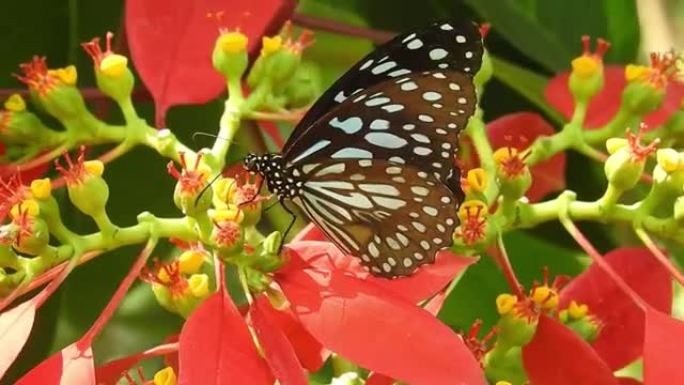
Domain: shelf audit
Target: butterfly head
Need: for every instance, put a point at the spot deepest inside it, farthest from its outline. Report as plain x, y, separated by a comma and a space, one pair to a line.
252, 163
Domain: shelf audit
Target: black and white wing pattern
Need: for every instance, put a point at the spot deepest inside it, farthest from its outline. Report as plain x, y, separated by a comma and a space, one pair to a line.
413, 120
440, 46
394, 217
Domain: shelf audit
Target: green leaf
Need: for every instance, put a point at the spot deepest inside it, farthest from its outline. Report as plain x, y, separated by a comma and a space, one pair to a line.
527, 83
475, 294
517, 26
623, 29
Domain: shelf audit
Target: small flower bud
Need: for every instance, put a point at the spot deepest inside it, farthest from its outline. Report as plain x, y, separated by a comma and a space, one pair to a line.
191, 183
545, 297
512, 173
87, 190
505, 303
475, 181
668, 159
230, 54
20, 126
625, 165
15, 103
199, 285
228, 238
586, 78
474, 231
112, 75
32, 236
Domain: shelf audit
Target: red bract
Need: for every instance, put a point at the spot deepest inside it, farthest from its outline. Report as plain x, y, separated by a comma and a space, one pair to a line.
519, 130
370, 325
71, 365
171, 43
216, 347
557, 355
15, 328
278, 351
606, 103
663, 349
621, 337
379, 379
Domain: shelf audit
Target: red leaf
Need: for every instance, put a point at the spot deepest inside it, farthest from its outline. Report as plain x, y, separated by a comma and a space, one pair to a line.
557, 355
310, 233
378, 330
278, 352
663, 349
379, 379
628, 381
15, 328
216, 347
606, 103
622, 335
70, 366
271, 129
171, 43
426, 282
519, 130
310, 352
110, 373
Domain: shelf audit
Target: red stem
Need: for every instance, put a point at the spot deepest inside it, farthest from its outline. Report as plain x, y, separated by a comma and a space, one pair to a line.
660, 256
374, 35
501, 258
118, 296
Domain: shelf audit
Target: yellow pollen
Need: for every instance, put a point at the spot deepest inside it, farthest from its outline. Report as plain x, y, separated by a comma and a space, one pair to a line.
163, 275
505, 303
114, 65
94, 167
471, 208
503, 154
614, 144
545, 297
230, 214
270, 45
190, 261
199, 285
232, 42
477, 180
67, 75
165, 376
577, 311
636, 72
503, 383
15, 103
585, 66
668, 159
41, 188
29, 206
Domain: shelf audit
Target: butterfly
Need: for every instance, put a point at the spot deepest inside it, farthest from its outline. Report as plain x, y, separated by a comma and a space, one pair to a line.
372, 161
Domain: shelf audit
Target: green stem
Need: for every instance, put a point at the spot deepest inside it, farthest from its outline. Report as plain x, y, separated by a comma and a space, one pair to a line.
477, 132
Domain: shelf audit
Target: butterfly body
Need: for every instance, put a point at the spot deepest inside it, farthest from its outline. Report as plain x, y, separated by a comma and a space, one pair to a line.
372, 162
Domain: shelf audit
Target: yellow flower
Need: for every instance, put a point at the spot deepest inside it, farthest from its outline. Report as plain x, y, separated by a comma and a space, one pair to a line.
270, 44
114, 65
505, 303
41, 188
232, 42
165, 376
15, 103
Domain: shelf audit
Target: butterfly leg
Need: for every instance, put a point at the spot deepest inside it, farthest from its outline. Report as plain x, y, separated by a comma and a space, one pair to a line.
293, 218
205, 188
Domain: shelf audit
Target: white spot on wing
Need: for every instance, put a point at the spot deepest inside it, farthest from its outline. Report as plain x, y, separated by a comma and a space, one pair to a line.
350, 125
438, 53
385, 140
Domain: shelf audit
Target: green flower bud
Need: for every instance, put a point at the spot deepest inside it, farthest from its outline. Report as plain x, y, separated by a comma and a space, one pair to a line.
679, 210
512, 172
33, 236
586, 78
304, 87
19, 126
189, 194
228, 237
622, 172
641, 98
90, 192
268, 255
230, 55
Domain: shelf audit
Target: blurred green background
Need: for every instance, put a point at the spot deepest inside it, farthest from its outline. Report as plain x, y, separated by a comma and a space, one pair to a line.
533, 39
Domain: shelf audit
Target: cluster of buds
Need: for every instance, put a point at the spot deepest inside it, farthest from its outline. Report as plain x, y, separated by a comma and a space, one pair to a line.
180, 285
18, 126
627, 158
517, 326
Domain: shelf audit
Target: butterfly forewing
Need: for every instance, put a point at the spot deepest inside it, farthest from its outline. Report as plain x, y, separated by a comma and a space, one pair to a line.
413, 120
441, 46
394, 217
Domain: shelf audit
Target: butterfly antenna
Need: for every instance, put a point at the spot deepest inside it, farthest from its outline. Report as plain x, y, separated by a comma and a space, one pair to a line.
205, 188
232, 142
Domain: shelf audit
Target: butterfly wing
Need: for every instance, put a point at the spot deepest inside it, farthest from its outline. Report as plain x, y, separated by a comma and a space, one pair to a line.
441, 46
394, 217
414, 120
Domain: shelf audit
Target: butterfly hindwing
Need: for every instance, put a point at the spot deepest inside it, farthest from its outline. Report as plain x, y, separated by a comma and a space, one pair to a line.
415, 119
394, 217
441, 46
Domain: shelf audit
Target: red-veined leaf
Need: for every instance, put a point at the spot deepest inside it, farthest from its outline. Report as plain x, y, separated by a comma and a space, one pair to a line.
15, 328
663, 349
519, 130
377, 329
171, 43
426, 282
72, 365
310, 352
557, 355
278, 352
621, 338
606, 103
216, 347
